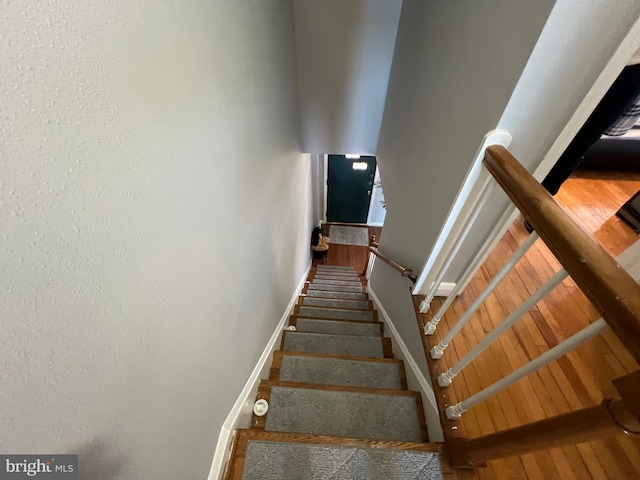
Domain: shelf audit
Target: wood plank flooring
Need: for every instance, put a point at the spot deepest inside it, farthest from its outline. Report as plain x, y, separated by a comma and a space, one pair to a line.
580, 379
352, 255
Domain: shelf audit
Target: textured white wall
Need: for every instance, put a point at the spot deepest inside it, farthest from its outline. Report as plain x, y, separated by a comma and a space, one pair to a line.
344, 51
155, 216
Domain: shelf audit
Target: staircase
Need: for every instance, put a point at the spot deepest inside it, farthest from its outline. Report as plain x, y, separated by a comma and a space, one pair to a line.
339, 407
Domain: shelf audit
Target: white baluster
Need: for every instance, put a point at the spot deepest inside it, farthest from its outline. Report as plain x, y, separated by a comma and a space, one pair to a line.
430, 327
562, 348
424, 305
445, 379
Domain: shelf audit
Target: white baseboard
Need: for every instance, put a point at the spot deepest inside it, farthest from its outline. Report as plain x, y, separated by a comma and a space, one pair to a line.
415, 379
445, 289
242, 410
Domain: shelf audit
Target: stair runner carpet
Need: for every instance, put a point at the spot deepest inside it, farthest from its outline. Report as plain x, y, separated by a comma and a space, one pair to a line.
338, 409
356, 345
337, 275
325, 281
338, 371
280, 460
339, 327
332, 302
336, 288
345, 414
341, 295
344, 314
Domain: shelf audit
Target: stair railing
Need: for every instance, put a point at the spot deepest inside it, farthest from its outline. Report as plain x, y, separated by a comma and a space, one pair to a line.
613, 292
374, 252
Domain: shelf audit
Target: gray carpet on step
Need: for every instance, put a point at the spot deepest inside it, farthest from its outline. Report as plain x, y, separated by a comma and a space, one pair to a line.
336, 288
322, 266
336, 303
295, 461
344, 295
334, 273
322, 281
320, 312
337, 277
357, 346
338, 327
334, 371
344, 414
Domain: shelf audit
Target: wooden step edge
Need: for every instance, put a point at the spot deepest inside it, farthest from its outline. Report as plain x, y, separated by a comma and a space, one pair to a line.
242, 438
314, 276
302, 297
278, 355
316, 439
293, 320
335, 273
371, 309
264, 392
264, 384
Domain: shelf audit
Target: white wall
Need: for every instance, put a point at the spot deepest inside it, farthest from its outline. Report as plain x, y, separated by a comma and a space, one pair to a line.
553, 97
344, 56
377, 211
455, 66
155, 220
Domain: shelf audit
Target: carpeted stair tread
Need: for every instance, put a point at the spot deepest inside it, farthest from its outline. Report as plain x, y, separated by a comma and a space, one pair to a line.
335, 267
341, 295
344, 413
322, 281
335, 303
335, 313
337, 276
333, 277
293, 461
335, 288
356, 345
336, 371
338, 327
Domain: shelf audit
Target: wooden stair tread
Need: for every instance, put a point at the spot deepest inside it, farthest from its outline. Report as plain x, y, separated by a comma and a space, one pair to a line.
266, 384
243, 436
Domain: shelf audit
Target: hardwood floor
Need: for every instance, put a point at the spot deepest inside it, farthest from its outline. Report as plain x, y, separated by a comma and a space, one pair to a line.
352, 255
580, 379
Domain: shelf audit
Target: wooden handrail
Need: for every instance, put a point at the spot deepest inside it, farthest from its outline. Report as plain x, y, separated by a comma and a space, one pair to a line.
612, 291
406, 272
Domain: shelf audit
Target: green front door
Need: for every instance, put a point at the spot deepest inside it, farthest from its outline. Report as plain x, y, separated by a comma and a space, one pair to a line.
349, 186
